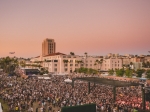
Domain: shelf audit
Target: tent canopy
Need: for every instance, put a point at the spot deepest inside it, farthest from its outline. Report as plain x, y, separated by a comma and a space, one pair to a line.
106, 81
44, 78
68, 80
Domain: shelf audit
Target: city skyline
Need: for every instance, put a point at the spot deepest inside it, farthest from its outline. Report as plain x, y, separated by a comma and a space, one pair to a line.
95, 27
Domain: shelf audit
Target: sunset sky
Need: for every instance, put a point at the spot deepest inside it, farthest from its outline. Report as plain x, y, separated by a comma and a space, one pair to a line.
97, 27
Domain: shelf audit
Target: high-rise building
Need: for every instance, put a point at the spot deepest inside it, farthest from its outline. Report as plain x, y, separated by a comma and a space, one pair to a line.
48, 47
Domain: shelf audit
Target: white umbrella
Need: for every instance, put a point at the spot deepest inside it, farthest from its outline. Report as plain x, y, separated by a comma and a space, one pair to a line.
68, 80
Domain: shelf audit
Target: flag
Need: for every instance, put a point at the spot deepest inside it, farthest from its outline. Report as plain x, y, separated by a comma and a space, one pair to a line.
11, 52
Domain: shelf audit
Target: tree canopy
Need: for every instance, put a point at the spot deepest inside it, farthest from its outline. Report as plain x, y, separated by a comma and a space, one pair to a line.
9, 64
139, 72
120, 72
86, 70
148, 74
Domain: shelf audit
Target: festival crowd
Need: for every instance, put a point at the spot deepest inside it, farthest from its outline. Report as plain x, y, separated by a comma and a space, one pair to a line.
53, 94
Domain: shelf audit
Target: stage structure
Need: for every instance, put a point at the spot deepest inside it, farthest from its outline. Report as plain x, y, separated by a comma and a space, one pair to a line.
113, 83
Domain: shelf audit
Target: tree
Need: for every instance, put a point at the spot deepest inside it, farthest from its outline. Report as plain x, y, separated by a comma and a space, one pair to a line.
99, 62
95, 65
144, 65
111, 72
85, 53
79, 62
128, 72
22, 64
120, 72
65, 61
43, 71
9, 64
148, 74
148, 64
72, 53
139, 72
90, 71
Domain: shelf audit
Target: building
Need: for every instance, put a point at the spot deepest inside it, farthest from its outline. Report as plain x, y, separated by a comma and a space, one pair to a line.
112, 63
48, 47
60, 63
137, 65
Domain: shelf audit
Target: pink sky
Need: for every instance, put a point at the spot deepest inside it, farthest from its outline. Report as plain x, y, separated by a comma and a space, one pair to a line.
97, 27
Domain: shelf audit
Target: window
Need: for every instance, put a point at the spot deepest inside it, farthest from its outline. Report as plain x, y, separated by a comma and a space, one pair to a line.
90, 64
91, 61
55, 65
48, 60
71, 64
55, 60
71, 60
86, 64
55, 69
66, 65
76, 64
64, 56
66, 69
81, 64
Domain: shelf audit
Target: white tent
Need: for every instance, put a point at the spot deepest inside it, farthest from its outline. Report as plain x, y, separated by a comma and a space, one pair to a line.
68, 80
1, 108
46, 77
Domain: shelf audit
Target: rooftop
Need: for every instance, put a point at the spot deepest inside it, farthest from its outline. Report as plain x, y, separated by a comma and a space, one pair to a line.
53, 54
111, 82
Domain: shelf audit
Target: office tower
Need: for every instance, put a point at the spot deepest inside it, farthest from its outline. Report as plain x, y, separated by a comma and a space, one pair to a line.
48, 47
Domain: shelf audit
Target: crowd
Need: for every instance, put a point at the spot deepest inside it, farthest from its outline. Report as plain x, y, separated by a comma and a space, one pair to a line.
51, 95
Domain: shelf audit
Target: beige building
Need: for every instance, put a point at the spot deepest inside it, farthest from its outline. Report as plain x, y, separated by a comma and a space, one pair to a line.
60, 63
48, 47
112, 63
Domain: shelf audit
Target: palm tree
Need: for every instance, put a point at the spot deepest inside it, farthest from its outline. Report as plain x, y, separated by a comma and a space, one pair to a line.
95, 65
79, 62
99, 62
22, 63
65, 61
72, 53
85, 53
85, 58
